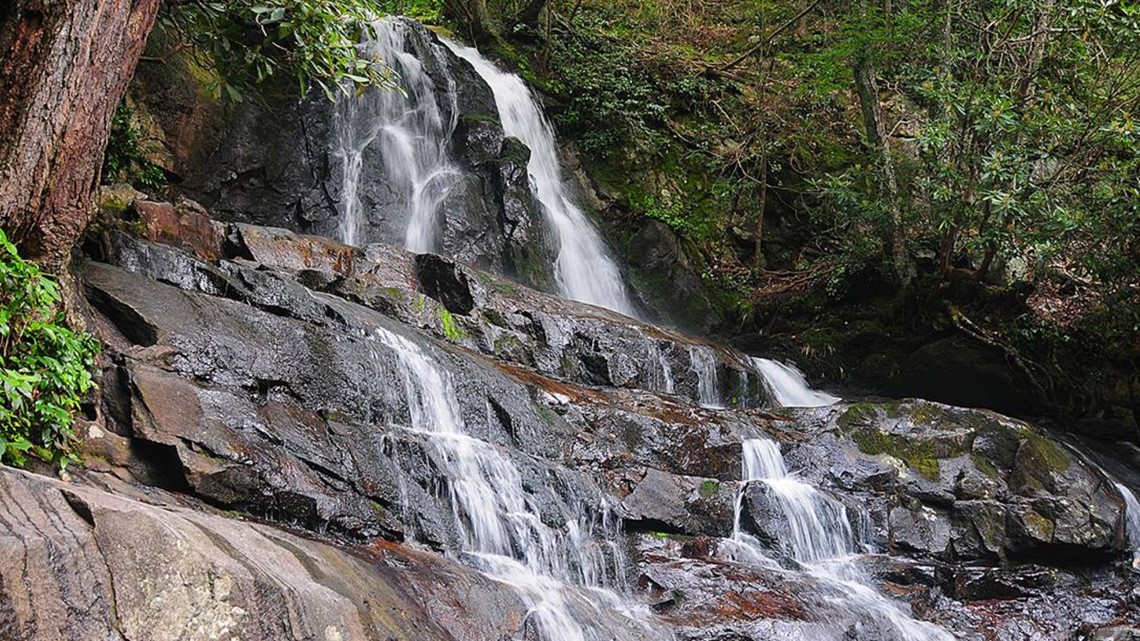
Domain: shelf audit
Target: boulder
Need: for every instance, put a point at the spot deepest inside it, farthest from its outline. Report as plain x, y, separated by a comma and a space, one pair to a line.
82, 563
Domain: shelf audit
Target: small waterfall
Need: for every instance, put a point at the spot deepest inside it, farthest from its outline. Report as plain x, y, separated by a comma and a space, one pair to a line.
664, 381
704, 363
408, 130
584, 270
789, 386
822, 542
817, 523
1131, 521
501, 531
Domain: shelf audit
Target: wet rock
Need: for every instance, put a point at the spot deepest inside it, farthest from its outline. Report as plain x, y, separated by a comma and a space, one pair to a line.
980, 584
998, 488
444, 281
255, 382
187, 227
683, 505
922, 531
559, 338
658, 267
1116, 633
81, 563
478, 139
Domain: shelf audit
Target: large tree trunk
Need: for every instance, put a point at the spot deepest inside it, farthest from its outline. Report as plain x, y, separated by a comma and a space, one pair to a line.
64, 65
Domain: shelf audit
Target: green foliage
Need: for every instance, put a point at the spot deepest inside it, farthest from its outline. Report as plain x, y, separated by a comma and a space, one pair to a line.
670, 210
45, 368
1024, 147
251, 42
124, 160
426, 11
611, 106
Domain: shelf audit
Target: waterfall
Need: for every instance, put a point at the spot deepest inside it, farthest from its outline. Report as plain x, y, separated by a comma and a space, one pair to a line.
821, 541
664, 381
501, 531
408, 130
1131, 521
703, 361
584, 270
789, 386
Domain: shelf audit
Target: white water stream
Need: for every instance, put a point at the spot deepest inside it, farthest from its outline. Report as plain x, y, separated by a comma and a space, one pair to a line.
1131, 522
501, 530
703, 361
407, 129
584, 269
789, 386
821, 540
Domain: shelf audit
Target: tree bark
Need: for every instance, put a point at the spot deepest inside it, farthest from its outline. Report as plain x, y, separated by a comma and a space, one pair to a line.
65, 65
868, 91
530, 13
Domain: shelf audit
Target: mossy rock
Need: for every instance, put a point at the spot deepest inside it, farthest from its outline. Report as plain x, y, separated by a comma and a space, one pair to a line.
1037, 465
919, 455
708, 489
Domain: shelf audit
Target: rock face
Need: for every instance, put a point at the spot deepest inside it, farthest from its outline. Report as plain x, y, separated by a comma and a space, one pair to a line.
250, 373
84, 563
280, 162
964, 485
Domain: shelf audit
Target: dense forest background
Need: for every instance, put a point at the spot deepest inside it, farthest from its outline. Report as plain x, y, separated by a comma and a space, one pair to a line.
863, 182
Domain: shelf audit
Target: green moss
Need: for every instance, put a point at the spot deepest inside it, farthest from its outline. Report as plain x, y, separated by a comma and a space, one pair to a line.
504, 287
451, 328
1044, 451
547, 415
508, 345
494, 317
708, 488
918, 455
984, 465
531, 266
421, 303
858, 415
1037, 462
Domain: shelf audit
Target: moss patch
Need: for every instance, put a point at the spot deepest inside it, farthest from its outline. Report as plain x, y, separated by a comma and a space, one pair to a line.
858, 415
1037, 462
918, 455
708, 488
451, 328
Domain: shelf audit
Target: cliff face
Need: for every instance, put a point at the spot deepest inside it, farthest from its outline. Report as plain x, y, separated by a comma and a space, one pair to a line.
252, 373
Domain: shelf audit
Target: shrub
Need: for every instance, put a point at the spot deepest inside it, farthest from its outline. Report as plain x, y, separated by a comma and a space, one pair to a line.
124, 159
45, 368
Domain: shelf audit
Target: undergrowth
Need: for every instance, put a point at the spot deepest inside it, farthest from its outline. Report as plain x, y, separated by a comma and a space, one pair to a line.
45, 367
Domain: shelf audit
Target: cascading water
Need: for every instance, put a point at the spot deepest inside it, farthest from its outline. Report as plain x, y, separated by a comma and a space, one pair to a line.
584, 270
789, 386
1132, 521
704, 363
408, 130
501, 532
822, 542
664, 382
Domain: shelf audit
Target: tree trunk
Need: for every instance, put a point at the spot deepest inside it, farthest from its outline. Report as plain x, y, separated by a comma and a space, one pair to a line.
758, 233
64, 67
472, 16
530, 13
867, 88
